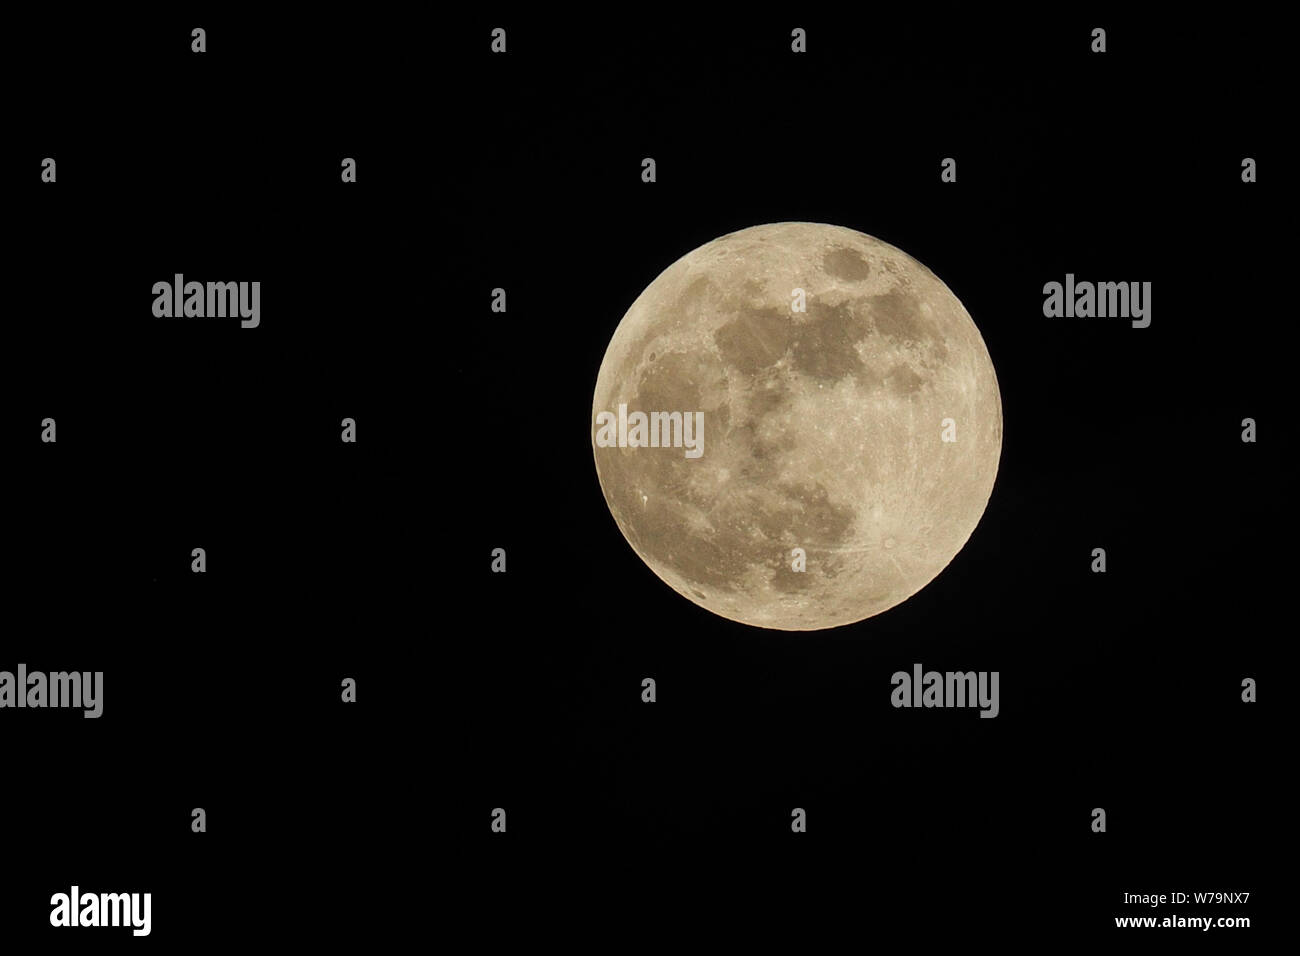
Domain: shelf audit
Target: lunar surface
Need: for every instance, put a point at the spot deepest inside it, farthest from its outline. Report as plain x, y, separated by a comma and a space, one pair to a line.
865, 429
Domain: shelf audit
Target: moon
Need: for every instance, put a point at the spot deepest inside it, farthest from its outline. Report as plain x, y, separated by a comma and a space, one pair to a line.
863, 430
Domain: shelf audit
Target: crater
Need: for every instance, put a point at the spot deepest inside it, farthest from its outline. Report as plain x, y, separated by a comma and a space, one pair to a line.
904, 381
754, 339
789, 581
845, 263
768, 394
674, 383
824, 347
897, 315
817, 520
694, 293
716, 562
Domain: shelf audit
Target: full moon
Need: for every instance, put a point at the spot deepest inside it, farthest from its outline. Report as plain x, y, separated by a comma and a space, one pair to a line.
824, 426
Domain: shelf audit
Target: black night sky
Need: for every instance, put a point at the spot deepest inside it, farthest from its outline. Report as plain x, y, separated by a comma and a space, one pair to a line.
366, 823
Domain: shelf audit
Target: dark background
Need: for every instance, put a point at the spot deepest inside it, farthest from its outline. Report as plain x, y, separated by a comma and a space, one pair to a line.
367, 823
